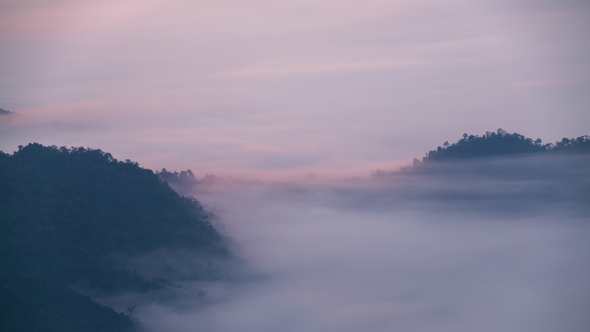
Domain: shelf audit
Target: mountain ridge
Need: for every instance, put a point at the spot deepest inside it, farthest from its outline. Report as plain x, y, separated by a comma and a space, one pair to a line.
74, 217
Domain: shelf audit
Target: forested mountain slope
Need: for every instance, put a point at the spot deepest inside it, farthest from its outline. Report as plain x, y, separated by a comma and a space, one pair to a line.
503, 143
69, 217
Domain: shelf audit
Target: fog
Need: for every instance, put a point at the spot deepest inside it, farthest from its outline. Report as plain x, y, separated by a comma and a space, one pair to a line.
489, 245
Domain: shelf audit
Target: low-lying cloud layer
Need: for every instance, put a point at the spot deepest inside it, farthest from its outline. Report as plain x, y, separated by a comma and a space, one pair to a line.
490, 245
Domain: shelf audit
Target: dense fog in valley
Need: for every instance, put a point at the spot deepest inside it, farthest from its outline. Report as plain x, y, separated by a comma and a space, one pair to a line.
495, 244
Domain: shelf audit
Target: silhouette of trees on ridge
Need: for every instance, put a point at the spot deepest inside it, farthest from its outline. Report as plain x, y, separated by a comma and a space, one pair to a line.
503, 143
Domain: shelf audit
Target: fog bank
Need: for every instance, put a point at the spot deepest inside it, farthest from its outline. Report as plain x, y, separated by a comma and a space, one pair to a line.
490, 245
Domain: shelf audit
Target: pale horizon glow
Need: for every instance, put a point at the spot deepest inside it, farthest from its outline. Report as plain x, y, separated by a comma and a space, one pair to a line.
283, 90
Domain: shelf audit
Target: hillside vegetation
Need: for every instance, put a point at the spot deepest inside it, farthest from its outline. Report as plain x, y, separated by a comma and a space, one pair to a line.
503, 143
70, 217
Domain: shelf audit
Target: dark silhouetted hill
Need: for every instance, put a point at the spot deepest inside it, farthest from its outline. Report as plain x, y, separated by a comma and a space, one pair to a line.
72, 216
31, 303
502, 143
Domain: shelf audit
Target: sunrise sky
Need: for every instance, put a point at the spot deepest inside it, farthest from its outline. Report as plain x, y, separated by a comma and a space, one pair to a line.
289, 88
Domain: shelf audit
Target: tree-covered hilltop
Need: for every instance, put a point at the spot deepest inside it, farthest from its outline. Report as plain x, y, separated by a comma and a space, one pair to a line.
503, 143
72, 217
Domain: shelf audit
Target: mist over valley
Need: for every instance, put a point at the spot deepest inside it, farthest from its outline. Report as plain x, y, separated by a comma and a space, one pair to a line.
475, 241
488, 245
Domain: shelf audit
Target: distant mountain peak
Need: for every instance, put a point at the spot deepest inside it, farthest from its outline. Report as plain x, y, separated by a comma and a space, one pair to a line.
503, 143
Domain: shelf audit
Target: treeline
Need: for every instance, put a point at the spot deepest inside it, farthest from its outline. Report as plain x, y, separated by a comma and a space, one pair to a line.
503, 143
72, 216
182, 182
176, 177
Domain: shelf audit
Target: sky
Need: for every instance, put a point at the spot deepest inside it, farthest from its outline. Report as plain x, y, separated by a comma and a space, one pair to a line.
293, 88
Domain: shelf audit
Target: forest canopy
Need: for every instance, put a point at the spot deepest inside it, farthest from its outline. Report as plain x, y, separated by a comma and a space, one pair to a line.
70, 216
503, 143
